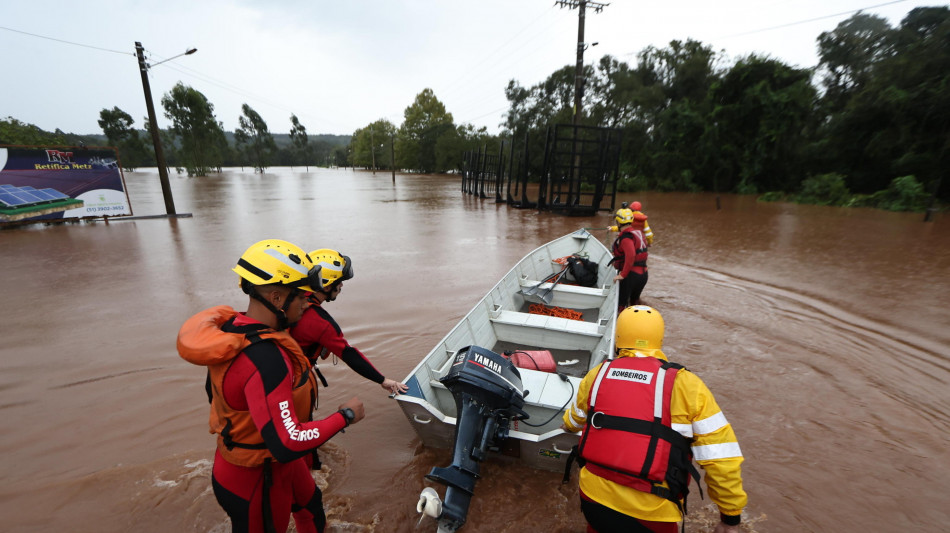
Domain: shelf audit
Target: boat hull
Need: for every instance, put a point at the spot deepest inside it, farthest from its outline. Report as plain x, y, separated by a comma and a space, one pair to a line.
502, 322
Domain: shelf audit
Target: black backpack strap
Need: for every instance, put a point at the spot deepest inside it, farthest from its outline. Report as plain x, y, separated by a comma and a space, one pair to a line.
320, 375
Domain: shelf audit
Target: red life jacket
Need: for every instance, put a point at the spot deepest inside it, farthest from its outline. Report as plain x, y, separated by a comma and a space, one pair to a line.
639, 260
629, 437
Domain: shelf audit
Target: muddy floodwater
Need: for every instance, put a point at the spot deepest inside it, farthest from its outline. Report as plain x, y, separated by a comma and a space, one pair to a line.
823, 332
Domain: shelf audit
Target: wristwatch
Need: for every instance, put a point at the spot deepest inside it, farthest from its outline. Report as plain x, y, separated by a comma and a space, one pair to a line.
348, 414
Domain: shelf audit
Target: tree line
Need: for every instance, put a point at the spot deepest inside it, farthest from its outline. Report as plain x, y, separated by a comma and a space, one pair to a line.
869, 125
874, 128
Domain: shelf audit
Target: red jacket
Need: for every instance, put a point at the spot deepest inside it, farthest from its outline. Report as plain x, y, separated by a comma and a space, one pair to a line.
630, 252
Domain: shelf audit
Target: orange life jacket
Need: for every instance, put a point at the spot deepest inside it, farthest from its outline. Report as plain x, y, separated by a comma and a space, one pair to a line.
211, 339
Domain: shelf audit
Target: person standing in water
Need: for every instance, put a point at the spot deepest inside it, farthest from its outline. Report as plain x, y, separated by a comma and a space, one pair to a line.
630, 257
319, 334
263, 394
636, 208
643, 421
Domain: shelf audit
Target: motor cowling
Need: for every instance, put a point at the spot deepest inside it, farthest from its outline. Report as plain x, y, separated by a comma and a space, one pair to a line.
487, 377
488, 392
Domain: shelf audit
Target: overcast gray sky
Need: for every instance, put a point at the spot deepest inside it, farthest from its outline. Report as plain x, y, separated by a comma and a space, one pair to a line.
339, 65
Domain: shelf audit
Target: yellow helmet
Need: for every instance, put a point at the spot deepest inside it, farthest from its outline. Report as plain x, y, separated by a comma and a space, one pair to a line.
639, 327
624, 216
335, 266
277, 262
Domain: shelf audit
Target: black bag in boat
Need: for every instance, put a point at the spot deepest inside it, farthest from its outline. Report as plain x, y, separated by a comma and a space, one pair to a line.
583, 271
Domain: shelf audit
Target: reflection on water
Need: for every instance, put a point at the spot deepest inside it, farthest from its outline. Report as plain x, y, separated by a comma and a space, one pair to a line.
823, 333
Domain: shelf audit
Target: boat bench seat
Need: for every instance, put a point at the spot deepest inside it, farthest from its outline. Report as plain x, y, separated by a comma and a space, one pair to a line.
531, 320
573, 289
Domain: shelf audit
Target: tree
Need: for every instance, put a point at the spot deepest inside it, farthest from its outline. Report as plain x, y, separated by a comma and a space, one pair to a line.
12, 131
674, 111
757, 129
370, 147
253, 133
196, 129
895, 121
117, 127
848, 54
424, 122
298, 138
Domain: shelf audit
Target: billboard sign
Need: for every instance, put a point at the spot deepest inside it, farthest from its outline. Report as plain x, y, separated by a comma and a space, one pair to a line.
48, 183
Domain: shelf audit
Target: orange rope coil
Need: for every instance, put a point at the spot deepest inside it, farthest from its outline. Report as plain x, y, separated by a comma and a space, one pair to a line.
562, 312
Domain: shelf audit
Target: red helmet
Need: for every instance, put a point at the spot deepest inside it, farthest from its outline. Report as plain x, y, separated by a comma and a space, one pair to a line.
635, 206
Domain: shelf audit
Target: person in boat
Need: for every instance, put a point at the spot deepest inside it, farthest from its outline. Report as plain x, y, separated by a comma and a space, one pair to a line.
636, 208
263, 394
319, 334
625, 485
630, 257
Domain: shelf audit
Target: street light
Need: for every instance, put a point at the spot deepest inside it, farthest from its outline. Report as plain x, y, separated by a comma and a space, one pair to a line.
153, 124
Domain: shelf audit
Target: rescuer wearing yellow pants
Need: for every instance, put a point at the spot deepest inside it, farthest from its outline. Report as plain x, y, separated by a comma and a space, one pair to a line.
635, 410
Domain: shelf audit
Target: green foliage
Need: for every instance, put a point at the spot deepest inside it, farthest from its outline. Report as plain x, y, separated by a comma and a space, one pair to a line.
824, 189
302, 150
425, 121
117, 127
12, 131
903, 194
371, 147
253, 134
628, 183
200, 137
892, 121
773, 196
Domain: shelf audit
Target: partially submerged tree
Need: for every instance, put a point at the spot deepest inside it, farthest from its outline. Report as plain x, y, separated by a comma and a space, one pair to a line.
198, 133
116, 124
298, 137
425, 121
253, 132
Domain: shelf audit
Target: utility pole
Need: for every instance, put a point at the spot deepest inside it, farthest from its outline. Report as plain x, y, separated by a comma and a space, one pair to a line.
372, 147
581, 6
153, 125
392, 154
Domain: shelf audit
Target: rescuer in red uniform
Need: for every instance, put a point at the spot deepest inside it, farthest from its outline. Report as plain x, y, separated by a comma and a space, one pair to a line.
643, 420
263, 393
319, 334
630, 257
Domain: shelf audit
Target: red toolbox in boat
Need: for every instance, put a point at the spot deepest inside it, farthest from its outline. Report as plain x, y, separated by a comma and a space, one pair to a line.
535, 360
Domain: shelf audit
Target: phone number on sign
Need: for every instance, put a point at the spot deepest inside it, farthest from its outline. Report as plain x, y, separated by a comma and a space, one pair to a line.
108, 208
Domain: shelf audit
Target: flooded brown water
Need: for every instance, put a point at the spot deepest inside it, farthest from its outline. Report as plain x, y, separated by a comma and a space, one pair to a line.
823, 332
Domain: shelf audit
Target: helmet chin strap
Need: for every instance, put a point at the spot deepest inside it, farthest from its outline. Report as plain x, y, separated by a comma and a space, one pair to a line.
281, 313
329, 293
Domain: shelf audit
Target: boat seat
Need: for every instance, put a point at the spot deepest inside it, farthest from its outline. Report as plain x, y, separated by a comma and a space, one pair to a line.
561, 287
554, 323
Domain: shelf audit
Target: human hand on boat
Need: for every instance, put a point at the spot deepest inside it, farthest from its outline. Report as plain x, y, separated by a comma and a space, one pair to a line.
393, 386
356, 405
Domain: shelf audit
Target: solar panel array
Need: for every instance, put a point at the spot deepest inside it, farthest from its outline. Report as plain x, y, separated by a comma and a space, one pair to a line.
12, 196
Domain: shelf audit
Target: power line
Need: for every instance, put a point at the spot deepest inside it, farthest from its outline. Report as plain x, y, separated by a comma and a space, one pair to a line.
241, 92
812, 20
67, 42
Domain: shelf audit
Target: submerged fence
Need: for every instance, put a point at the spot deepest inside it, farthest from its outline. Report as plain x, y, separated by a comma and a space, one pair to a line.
577, 175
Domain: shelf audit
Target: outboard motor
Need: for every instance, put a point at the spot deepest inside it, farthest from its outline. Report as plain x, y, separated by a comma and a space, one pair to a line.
488, 393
